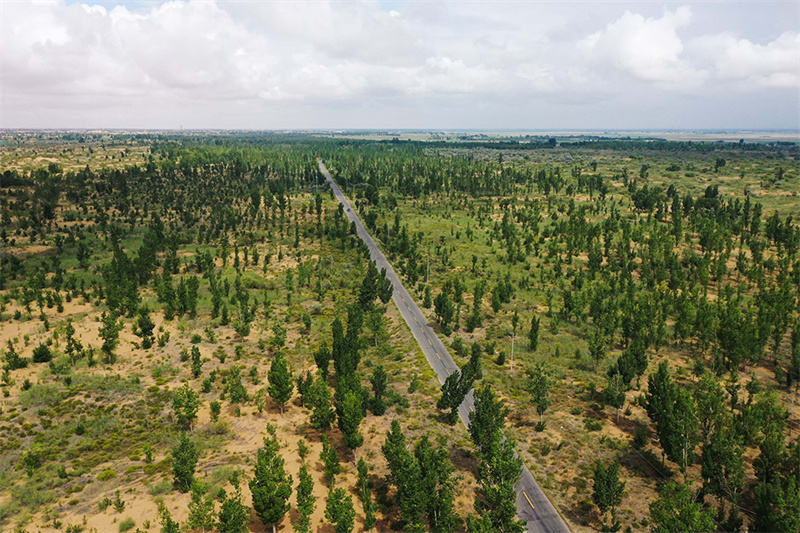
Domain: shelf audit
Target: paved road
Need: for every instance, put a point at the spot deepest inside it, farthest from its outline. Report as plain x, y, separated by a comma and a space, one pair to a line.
533, 505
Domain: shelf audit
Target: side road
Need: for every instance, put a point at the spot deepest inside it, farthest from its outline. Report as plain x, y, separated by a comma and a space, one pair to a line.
532, 504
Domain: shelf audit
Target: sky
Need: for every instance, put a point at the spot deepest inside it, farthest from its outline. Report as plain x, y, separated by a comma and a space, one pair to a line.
400, 64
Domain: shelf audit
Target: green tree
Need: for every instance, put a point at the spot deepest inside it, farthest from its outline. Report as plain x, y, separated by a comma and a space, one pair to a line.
32, 459
394, 449
271, 487
452, 396
404, 474
13, 359
184, 461
475, 319
234, 387
445, 312
676, 510
350, 419
723, 468
722, 462
376, 324
305, 501
487, 420
330, 460
597, 346
322, 357
281, 385
385, 288
303, 383
339, 345
42, 354
145, 326
498, 474
533, 334
109, 332
436, 485
185, 403
350, 359
673, 411
168, 525
614, 393
364, 486
608, 489
233, 516
539, 384
473, 370
340, 511
216, 409
776, 505
319, 400
777, 495
500, 469
369, 286
378, 380
684, 431
197, 362
201, 508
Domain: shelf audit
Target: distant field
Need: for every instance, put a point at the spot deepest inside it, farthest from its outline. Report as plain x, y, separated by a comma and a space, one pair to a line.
571, 135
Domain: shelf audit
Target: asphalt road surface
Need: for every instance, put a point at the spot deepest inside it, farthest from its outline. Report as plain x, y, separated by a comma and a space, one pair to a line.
532, 504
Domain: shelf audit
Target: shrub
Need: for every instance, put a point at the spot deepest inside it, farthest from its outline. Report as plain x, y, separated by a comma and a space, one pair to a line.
163, 339
106, 474
221, 427
118, 504
42, 354
126, 524
593, 425
216, 407
640, 438
162, 487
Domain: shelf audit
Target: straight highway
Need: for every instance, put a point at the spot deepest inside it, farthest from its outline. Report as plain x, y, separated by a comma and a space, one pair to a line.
532, 504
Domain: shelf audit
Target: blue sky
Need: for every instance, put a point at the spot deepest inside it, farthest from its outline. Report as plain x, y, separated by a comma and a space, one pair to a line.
400, 64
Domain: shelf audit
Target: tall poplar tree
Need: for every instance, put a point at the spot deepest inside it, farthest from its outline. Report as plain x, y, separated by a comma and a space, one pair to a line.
340, 510
305, 500
271, 487
351, 416
184, 461
281, 384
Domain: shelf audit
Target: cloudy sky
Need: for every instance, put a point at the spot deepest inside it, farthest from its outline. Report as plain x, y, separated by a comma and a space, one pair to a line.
437, 64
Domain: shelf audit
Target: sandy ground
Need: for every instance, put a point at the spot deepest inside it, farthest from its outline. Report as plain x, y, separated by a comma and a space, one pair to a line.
247, 430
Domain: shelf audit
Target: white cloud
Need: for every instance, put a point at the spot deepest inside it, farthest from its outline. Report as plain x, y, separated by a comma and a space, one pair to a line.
776, 64
649, 49
217, 61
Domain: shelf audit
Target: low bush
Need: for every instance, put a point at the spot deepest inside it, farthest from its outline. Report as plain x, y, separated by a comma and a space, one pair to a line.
126, 524
106, 474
